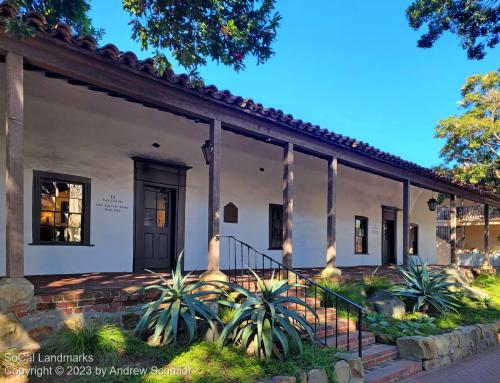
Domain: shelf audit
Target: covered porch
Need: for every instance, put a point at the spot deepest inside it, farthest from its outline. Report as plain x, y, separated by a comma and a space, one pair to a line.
96, 113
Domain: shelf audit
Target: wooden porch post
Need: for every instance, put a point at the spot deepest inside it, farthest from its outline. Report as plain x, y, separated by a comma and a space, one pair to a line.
486, 260
14, 185
453, 229
213, 268
406, 222
14, 289
331, 270
288, 161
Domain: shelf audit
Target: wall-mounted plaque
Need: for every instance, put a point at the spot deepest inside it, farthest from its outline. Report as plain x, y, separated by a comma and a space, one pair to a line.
231, 213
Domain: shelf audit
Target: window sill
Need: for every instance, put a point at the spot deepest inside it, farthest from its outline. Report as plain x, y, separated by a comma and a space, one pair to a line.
61, 244
361, 253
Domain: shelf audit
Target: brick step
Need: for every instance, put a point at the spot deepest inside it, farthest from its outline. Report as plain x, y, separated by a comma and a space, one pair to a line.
391, 371
341, 342
378, 353
331, 328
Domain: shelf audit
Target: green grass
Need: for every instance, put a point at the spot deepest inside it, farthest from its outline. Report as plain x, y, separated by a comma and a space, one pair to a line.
103, 341
10, 360
473, 312
211, 363
208, 362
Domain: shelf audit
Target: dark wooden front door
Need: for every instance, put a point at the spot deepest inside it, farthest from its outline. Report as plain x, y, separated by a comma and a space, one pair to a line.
389, 254
159, 215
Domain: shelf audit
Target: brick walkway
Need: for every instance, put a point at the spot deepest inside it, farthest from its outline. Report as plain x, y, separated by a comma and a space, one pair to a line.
482, 368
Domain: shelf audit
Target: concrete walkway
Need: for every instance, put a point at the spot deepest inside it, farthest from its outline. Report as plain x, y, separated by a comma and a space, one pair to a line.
482, 368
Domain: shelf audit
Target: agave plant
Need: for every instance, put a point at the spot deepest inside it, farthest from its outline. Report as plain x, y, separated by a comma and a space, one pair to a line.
265, 320
178, 307
428, 289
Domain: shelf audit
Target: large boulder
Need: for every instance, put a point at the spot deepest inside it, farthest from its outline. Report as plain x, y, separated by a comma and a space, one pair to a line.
13, 335
317, 376
475, 294
15, 291
455, 274
416, 348
342, 372
356, 368
384, 302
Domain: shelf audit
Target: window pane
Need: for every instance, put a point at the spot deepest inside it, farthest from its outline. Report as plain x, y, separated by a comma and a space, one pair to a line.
61, 218
62, 204
48, 203
149, 217
47, 218
75, 220
150, 199
48, 189
76, 191
47, 234
62, 190
160, 218
162, 200
73, 234
75, 205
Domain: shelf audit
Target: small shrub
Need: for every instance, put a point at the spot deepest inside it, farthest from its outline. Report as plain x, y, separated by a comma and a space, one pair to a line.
103, 341
178, 308
487, 280
411, 325
428, 290
374, 282
226, 314
264, 319
351, 290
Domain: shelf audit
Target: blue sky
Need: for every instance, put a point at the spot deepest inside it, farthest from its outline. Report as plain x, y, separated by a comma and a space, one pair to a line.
349, 66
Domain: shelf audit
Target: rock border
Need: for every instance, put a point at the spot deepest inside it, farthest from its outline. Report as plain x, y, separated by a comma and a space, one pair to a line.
348, 369
440, 350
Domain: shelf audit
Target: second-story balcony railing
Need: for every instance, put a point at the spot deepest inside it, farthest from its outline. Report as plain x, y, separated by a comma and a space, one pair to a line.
467, 213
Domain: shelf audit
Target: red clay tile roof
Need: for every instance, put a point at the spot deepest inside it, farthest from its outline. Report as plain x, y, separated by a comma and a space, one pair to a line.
63, 32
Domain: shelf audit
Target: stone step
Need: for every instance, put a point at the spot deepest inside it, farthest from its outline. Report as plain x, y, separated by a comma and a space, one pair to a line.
391, 371
378, 353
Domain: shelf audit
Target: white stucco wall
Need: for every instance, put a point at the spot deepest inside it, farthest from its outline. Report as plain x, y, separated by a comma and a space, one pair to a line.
69, 129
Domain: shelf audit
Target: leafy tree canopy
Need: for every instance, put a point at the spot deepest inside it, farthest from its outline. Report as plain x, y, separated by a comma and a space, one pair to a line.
475, 22
190, 32
226, 31
73, 12
473, 138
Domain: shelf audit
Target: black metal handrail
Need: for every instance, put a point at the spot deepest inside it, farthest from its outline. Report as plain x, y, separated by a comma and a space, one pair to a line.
242, 256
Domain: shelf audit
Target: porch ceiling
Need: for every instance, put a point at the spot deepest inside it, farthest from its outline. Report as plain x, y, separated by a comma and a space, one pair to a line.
121, 74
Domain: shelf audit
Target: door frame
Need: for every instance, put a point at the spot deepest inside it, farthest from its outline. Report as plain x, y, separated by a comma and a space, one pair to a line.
162, 174
393, 210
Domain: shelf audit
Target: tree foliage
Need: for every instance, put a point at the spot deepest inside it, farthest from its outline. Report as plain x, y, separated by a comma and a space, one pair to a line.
74, 13
473, 138
475, 22
226, 31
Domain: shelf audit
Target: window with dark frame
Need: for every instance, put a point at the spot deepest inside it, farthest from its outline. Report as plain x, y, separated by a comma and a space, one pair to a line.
361, 235
61, 209
275, 226
413, 239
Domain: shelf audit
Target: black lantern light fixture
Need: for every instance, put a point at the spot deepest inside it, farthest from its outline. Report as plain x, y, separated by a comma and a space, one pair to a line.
207, 150
432, 203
